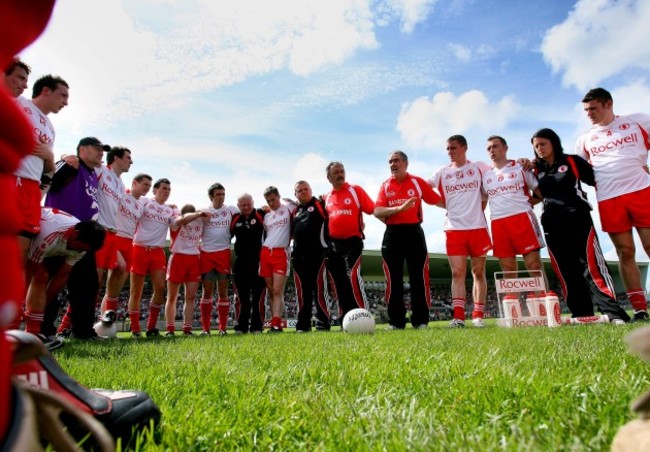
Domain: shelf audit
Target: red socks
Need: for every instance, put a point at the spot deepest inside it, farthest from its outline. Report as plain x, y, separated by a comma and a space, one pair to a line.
223, 308
206, 313
459, 308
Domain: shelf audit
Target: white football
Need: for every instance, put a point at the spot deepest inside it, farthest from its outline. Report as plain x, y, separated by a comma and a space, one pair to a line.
359, 321
105, 330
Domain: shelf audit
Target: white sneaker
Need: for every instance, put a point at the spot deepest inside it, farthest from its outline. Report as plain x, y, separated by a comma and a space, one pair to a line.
478, 322
422, 326
391, 328
457, 323
617, 322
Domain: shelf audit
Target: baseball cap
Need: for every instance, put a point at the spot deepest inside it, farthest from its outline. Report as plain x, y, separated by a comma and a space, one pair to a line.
92, 141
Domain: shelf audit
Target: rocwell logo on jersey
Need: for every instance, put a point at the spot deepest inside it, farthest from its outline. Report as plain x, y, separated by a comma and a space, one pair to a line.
613, 144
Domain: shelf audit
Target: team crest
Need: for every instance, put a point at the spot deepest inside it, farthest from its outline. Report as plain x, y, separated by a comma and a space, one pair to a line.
310, 209
624, 126
253, 221
489, 181
470, 172
28, 110
512, 175
411, 192
500, 178
562, 169
347, 201
448, 176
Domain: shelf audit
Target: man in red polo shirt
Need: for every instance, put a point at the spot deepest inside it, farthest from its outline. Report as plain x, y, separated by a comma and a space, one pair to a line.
345, 206
399, 205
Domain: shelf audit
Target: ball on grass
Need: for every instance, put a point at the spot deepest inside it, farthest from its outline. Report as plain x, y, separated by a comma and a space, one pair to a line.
359, 321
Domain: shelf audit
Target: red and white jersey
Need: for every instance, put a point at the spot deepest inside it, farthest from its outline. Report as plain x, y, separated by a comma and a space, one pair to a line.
53, 238
344, 211
186, 238
31, 167
508, 190
129, 212
111, 190
216, 228
618, 152
277, 224
460, 187
152, 227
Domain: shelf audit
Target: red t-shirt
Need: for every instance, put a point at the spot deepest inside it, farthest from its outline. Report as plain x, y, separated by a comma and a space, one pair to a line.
344, 210
393, 193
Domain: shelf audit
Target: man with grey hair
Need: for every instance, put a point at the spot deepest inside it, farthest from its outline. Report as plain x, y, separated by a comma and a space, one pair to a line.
247, 227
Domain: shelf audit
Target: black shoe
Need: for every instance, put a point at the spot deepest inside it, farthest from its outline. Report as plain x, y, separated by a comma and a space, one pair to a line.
641, 316
188, 333
121, 412
51, 342
136, 334
65, 334
169, 334
275, 329
153, 332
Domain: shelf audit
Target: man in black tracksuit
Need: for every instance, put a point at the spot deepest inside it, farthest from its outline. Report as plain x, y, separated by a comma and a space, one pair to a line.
308, 258
248, 228
569, 230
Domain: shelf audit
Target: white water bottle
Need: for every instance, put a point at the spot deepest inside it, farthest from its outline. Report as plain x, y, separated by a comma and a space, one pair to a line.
553, 312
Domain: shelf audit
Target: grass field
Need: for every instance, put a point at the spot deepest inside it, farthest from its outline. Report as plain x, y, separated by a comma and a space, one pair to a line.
438, 389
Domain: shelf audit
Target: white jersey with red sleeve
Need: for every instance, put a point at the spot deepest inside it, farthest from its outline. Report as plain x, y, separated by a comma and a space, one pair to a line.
31, 167
186, 238
128, 214
618, 153
277, 225
460, 188
216, 228
111, 190
152, 227
53, 238
508, 190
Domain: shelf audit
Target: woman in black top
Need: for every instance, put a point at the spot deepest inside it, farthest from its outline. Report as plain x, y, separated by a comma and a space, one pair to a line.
572, 242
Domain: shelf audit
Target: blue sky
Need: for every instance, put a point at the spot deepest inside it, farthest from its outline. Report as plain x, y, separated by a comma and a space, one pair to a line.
253, 93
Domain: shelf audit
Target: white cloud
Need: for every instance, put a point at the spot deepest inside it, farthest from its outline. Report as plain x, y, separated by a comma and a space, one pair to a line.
426, 123
411, 12
598, 39
461, 52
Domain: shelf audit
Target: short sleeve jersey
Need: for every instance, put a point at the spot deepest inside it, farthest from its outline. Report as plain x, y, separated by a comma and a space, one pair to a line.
31, 167
52, 240
110, 191
186, 238
216, 228
394, 193
508, 190
128, 214
152, 227
344, 208
618, 152
277, 225
460, 188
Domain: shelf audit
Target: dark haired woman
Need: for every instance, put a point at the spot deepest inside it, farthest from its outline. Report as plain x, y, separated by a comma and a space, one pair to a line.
575, 252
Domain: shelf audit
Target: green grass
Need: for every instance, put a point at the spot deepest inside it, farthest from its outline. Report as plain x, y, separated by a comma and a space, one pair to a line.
567, 388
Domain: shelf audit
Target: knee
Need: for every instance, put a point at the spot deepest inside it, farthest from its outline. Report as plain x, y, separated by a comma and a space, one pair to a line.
457, 273
478, 273
626, 253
